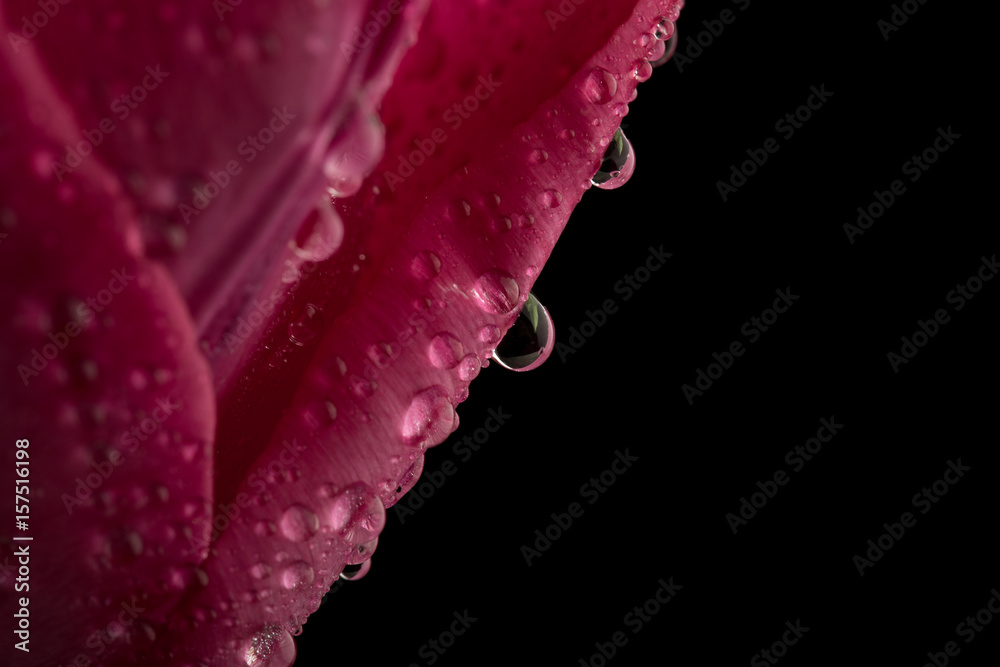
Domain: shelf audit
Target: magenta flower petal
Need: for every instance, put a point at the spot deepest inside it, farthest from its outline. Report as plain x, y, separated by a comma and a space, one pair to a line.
339, 338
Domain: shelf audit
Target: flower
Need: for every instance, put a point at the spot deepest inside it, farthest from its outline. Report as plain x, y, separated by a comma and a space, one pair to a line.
230, 344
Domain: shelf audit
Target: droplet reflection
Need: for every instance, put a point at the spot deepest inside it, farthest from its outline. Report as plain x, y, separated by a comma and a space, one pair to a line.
530, 341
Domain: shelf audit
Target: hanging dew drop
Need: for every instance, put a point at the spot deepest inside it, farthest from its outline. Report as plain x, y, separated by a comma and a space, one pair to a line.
530, 341
663, 51
664, 30
618, 163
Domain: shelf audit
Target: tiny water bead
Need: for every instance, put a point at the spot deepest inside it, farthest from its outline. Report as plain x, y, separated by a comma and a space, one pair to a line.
530, 341
618, 163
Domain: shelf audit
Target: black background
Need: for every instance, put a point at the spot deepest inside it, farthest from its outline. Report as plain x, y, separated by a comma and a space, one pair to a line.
825, 358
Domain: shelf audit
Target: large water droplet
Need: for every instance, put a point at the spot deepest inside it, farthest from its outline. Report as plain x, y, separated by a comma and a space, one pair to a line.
299, 523
357, 571
551, 198
306, 326
297, 576
530, 341
358, 514
664, 30
429, 419
271, 647
468, 368
353, 154
362, 551
425, 265
664, 51
321, 234
600, 86
497, 292
618, 163
445, 351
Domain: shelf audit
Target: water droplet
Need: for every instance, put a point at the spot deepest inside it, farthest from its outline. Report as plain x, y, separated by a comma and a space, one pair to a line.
320, 235
260, 571
468, 368
264, 529
567, 134
538, 156
642, 70
429, 419
621, 110
353, 154
490, 334
356, 571
361, 387
531, 271
600, 86
297, 576
271, 647
299, 523
460, 209
306, 326
618, 164
445, 351
362, 552
551, 198
497, 292
501, 224
426, 265
664, 30
358, 514
530, 341
663, 51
